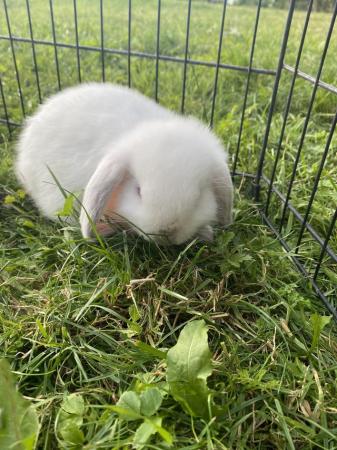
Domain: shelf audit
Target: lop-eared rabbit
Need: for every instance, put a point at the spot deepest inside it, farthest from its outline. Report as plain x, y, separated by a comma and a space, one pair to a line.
128, 160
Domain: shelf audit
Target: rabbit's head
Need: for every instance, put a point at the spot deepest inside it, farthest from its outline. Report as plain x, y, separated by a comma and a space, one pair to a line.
167, 180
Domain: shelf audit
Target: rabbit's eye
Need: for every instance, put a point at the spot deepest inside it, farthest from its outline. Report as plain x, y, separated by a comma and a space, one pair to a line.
138, 191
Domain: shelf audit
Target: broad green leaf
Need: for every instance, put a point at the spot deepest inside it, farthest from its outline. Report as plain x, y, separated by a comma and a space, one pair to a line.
68, 206
28, 224
225, 238
150, 401
9, 199
146, 348
19, 424
129, 406
21, 194
70, 421
133, 328
149, 427
145, 431
71, 434
73, 404
134, 313
318, 324
166, 435
125, 413
188, 366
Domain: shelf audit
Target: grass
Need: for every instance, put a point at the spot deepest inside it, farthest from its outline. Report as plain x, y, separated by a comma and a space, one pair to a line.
72, 314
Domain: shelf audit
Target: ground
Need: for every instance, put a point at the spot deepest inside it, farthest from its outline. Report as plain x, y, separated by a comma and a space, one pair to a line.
96, 320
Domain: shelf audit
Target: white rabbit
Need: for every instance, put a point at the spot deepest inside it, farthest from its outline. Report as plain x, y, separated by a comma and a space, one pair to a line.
124, 156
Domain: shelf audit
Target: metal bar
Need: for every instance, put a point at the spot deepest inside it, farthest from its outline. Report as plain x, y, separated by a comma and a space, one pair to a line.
77, 42
306, 122
9, 123
186, 55
251, 57
328, 87
157, 52
129, 42
288, 104
273, 99
102, 38
218, 61
316, 182
33, 51
54, 44
299, 217
325, 245
242, 174
6, 120
301, 268
260, 71
14, 59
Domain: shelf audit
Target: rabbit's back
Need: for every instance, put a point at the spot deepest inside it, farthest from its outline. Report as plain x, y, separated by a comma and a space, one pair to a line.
69, 135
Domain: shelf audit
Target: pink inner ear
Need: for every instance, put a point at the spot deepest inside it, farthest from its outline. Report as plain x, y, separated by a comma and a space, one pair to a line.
108, 211
104, 228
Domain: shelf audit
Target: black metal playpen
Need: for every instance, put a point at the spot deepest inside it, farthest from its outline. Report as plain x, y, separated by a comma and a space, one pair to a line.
274, 198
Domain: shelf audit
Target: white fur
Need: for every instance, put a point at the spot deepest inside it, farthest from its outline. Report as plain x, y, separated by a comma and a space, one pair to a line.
96, 137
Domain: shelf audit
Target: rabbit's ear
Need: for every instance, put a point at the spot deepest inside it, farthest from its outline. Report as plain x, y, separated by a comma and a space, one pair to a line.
223, 190
101, 191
